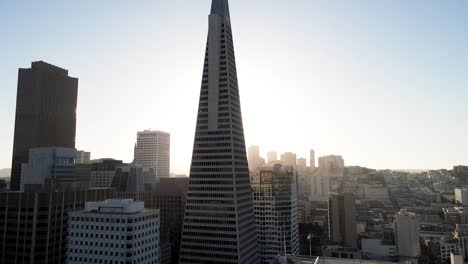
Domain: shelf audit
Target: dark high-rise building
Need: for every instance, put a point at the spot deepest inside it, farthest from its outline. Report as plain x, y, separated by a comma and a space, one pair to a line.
33, 225
170, 196
219, 224
342, 219
45, 113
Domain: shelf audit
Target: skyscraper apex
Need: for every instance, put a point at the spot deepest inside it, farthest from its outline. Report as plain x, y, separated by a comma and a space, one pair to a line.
220, 7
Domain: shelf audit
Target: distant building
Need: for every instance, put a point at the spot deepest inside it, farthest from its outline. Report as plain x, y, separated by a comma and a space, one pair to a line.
440, 250
378, 249
134, 178
170, 197
45, 113
152, 150
301, 164
276, 212
83, 157
461, 196
312, 159
319, 186
407, 234
333, 165
253, 157
33, 225
102, 172
376, 193
461, 173
289, 159
272, 156
461, 234
114, 231
48, 169
342, 219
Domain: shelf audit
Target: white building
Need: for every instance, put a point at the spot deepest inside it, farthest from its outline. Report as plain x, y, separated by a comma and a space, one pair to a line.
83, 157
51, 168
276, 214
378, 249
152, 150
461, 196
114, 231
407, 234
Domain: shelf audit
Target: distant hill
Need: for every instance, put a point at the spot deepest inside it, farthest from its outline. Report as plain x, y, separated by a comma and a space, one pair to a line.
5, 173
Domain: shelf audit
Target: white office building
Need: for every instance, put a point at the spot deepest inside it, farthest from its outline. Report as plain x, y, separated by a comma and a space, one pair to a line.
276, 215
152, 150
114, 232
407, 234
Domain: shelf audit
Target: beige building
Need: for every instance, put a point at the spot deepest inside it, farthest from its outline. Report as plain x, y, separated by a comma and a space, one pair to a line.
407, 234
289, 159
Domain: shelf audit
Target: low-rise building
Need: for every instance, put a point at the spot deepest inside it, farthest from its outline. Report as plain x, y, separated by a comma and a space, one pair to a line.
114, 231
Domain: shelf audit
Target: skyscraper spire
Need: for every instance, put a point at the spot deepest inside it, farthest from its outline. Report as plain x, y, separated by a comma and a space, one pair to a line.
219, 224
220, 7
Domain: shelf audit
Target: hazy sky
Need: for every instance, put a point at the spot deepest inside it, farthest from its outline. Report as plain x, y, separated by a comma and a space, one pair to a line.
383, 83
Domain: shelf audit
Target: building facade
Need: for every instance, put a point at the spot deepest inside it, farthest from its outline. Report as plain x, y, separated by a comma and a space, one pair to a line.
332, 165
114, 231
152, 150
219, 222
272, 157
342, 219
45, 113
170, 197
289, 159
253, 157
83, 157
406, 227
33, 225
312, 159
48, 169
276, 211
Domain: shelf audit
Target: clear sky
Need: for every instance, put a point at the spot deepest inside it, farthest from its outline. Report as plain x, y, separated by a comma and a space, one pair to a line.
383, 83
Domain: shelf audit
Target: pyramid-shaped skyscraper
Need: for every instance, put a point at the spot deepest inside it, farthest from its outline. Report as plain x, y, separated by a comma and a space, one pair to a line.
219, 224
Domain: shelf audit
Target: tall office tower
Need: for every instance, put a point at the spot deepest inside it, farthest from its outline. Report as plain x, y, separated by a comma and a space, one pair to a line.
253, 157
312, 159
45, 113
289, 159
219, 223
33, 225
49, 169
114, 231
406, 227
82, 157
276, 213
152, 150
271, 157
170, 197
342, 219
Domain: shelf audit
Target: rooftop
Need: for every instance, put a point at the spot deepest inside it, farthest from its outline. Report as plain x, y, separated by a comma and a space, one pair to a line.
115, 206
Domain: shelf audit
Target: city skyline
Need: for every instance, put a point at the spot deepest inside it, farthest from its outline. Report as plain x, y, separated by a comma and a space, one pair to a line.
338, 88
